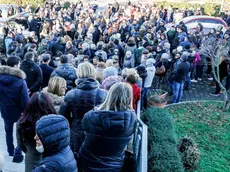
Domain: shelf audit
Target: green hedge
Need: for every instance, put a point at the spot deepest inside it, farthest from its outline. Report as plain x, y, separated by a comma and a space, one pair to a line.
208, 8
162, 145
34, 3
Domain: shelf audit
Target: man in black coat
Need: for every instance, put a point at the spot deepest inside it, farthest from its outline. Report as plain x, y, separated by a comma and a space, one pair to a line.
70, 49
33, 73
46, 69
96, 35
179, 78
66, 71
57, 46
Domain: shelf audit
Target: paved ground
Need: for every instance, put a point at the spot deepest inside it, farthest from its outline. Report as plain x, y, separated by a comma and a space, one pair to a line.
198, 91
9, 165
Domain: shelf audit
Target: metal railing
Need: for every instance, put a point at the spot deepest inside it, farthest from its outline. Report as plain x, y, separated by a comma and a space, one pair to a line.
141, 143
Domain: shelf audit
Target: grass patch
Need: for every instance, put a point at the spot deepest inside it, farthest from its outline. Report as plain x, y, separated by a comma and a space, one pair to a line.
209, 126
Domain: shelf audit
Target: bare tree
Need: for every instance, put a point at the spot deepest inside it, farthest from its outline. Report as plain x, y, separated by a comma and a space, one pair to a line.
218, 51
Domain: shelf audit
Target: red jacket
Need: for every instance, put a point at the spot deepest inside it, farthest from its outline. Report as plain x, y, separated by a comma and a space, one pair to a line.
136, 95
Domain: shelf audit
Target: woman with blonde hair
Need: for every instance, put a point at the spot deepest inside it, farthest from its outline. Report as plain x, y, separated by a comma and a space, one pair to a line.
132, 78
67, 39
108, 131
56, 90
79, 101
99, 71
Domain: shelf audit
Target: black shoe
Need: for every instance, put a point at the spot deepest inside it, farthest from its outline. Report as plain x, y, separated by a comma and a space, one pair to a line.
11, 154
186, 88
18, 158
170, 93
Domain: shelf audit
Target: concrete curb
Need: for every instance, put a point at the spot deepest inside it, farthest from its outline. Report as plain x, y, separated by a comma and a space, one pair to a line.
195, 101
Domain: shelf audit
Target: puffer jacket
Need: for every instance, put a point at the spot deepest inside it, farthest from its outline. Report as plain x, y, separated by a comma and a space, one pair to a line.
68, 72
107, 135
78, 102
56, 100
13, 93
53, 131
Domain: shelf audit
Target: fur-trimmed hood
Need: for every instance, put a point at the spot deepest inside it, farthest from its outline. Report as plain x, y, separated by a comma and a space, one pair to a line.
5, 70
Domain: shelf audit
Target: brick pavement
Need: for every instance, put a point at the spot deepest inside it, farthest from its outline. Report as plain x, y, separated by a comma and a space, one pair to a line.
198, 91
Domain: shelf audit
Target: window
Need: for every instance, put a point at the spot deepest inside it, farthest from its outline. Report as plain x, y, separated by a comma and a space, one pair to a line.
213, 21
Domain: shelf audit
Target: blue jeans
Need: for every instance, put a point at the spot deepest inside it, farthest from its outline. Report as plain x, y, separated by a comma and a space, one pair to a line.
188, 80
177, 91
9, 138
144, 98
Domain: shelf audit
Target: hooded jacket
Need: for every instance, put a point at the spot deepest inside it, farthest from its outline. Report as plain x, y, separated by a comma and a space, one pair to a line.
53, 131
13, 93
33, 75
78, 102
107, 135
131, 47
129, 62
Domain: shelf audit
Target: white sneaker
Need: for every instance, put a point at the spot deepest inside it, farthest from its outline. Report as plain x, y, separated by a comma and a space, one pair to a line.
193, 80
199, 79
210, 79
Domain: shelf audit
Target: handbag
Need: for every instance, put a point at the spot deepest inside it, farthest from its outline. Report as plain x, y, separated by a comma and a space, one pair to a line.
161, 70
130, 164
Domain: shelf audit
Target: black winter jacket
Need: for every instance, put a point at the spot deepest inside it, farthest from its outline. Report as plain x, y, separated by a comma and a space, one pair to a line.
33, 75
46, 72
107, 135
78, 102
68, 72
182, 71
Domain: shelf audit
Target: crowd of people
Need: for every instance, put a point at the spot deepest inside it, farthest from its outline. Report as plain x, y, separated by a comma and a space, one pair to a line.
74, 83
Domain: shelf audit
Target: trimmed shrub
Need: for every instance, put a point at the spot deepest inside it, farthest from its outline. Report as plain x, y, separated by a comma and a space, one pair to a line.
34, 3
208, 8
162, 145
190, 154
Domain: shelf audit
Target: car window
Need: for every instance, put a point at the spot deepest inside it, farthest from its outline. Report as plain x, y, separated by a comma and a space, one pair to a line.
209, 21
205, 21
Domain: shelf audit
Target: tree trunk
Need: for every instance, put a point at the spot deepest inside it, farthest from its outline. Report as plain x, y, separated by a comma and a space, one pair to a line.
216, 75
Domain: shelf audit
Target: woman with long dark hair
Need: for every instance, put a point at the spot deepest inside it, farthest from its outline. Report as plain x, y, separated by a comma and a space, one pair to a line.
39, 105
